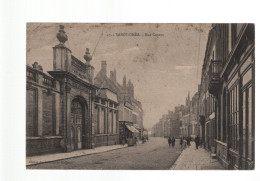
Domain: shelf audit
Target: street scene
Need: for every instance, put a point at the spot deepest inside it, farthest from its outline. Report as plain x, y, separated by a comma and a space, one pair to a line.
140, 96
153, 155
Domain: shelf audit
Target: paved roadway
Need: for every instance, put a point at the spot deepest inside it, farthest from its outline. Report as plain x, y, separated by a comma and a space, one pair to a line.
152, 155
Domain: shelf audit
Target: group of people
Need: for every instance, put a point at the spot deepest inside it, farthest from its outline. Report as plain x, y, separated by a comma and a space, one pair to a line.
171, 141
184, 142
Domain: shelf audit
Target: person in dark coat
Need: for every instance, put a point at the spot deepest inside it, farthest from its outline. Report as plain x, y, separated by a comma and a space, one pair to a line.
173, 141
169, 141
197, 141
181, 142
188, 141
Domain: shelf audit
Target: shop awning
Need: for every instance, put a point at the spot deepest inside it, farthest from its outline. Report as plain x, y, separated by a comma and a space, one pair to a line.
132, 129
136, 127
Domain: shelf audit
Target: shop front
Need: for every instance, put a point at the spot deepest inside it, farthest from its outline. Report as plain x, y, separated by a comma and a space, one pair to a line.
127, 133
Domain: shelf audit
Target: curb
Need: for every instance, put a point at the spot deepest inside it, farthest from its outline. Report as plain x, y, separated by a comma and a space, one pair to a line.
174, 165
74, 156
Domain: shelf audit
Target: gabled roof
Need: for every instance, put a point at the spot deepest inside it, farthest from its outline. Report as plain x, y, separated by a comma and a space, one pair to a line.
105, 82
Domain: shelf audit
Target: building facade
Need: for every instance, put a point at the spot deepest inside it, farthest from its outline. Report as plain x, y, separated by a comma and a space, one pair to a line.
175, 122
68, 109
227, 95
188, 116
129, 112
60, 103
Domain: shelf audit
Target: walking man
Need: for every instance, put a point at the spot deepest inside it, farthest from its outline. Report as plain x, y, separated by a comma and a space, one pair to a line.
197, 141
173, 141
188, 141
181, 142
169, 141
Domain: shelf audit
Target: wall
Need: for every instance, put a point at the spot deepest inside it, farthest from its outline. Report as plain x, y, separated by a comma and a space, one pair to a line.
42, 113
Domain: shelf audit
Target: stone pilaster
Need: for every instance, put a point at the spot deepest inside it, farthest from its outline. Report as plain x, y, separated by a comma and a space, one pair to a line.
40, 107
92, 121
57, 108
68, 112
61, 58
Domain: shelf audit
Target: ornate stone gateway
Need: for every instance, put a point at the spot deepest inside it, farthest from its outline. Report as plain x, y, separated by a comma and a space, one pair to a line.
76, 124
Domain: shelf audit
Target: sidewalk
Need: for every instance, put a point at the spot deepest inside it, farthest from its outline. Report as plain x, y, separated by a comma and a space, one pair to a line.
192, 159
32, 160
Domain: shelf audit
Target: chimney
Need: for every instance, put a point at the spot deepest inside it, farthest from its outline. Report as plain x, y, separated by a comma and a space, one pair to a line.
112, 75
124, 82
104, 67
115, 75
130, 88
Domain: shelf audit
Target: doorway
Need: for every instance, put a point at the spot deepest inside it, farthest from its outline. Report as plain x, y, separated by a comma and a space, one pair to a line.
76, 121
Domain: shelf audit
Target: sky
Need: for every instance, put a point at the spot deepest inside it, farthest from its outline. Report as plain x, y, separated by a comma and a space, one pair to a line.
162, 68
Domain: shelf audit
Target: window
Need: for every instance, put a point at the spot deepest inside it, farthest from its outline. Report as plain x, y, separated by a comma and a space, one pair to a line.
110, 121
110, 104
97, 120
219, 122
102, 121
224, 123
114, 122
103, 101
234, 118
250, 123
248, 137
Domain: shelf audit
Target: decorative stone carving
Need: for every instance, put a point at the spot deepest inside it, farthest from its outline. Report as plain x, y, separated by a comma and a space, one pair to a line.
62, 37
68, 88
87, 56
79, 87
35, 65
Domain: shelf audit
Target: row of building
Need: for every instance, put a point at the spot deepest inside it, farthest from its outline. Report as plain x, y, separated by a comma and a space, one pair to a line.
182, 122
222, 112
68, 108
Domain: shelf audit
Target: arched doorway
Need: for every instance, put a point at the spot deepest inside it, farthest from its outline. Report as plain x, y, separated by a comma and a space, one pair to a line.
77, 122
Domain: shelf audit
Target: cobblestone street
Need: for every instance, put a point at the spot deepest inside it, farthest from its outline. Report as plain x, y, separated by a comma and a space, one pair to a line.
152, 155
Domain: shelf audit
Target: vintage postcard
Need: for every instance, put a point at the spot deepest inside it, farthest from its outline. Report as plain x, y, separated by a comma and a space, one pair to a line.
141, 96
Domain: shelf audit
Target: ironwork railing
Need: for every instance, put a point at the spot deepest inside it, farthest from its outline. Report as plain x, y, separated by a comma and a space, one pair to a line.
214, 70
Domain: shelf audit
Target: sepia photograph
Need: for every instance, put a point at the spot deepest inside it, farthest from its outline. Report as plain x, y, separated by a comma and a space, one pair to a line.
140, 96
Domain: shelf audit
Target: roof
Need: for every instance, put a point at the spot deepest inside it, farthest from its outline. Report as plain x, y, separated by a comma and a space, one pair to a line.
105, 82
107, 94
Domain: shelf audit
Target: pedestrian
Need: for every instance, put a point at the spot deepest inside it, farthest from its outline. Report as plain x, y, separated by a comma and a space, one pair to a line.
188, 141
181, 142
197, 141
143, 140
169, 141
173, 141
184, 143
